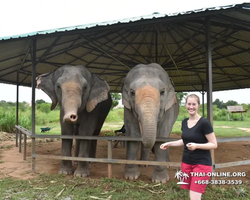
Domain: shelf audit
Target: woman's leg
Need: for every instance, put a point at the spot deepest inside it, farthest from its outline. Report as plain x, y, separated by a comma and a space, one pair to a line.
194, 195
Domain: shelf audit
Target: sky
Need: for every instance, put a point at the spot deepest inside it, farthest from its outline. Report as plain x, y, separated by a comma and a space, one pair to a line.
26, 16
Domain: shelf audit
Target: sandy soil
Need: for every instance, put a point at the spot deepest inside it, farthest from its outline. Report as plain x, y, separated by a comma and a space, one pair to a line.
13, 165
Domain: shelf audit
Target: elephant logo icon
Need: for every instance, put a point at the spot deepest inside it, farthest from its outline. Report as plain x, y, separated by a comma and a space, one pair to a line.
181, 176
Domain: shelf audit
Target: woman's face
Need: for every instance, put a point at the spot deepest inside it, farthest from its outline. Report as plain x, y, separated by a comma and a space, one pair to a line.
192, 105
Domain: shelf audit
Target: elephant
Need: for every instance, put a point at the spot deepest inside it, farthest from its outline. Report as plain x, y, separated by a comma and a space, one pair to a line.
84, 101
150, 111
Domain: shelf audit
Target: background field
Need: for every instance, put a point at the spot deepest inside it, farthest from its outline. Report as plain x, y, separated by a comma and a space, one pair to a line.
52, 186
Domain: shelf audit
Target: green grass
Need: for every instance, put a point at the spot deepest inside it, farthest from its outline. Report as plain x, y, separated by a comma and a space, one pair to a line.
244, 124
55, 129
232, 131
63, 187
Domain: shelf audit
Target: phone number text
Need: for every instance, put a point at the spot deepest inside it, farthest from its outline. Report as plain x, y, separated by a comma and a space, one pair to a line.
219, 182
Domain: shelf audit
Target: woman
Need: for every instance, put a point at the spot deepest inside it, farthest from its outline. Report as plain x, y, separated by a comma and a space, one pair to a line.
198, 139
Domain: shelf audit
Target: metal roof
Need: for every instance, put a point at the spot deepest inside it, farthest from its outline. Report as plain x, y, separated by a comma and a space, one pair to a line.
110, 49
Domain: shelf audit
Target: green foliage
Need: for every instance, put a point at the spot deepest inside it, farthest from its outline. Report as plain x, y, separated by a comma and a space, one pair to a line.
63, 187
44, 107
115, 99
40, 101
115, 115
181, 96
221, 104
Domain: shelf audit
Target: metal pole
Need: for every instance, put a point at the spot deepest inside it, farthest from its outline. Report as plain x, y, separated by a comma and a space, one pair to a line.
203, 101
17, 106
33, 129
209, 78
209, 71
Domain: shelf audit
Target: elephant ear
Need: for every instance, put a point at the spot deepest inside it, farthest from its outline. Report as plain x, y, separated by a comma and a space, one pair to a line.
125, 98
171, 97
98, 93
45, 82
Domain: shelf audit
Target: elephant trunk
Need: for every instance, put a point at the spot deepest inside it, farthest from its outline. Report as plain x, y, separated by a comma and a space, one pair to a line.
71, 101
148, 104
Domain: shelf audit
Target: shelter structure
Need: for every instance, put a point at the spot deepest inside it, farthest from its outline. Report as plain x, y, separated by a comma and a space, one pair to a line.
202, 50
235, 109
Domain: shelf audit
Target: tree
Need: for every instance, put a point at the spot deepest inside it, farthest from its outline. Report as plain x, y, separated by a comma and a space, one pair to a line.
219, 104
231, 103
115, 99
180, 96
44, 107
40, 101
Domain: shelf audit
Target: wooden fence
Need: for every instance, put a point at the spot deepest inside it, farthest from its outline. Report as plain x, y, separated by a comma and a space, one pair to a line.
109, 160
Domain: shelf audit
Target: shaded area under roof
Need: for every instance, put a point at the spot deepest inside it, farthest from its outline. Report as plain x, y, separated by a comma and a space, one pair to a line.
110, 49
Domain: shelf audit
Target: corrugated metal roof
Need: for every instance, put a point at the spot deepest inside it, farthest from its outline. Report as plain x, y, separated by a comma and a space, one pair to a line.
127, 20
110, 49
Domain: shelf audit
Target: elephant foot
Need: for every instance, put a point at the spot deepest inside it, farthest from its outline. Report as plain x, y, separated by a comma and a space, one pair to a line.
160, 177
143, 165
66, 170
82, 172
131, 173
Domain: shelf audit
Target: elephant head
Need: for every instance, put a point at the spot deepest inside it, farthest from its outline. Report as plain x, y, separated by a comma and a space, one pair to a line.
147, 93
74, 88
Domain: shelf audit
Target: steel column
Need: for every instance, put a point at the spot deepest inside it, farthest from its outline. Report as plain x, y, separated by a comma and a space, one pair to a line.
17, 105
209, 71
209, 78
203, 101
33, 128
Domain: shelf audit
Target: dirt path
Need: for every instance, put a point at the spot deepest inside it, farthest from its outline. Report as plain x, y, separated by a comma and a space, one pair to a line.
13, 165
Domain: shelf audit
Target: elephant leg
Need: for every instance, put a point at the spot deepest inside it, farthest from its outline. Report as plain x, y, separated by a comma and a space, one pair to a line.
66, 165
83, 166
160, 174
93, 143
144, 154
77, 146
132, 172
92, 148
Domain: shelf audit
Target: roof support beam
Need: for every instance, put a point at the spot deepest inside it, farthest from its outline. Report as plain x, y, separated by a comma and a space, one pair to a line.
33, 103
209, 71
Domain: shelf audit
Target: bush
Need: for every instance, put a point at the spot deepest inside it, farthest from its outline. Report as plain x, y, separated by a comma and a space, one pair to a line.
115, 115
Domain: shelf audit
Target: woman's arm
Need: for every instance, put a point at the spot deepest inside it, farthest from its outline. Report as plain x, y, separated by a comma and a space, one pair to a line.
176, 143
211, 144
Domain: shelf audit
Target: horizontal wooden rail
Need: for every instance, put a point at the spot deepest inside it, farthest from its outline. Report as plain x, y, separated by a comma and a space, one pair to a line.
232, 164
122, 138
113, 161
110, 160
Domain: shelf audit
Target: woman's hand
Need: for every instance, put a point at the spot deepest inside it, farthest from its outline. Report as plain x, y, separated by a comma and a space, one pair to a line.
191, 146
164, 146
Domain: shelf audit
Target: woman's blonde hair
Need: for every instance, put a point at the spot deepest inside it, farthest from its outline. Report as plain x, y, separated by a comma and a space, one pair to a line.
194, 96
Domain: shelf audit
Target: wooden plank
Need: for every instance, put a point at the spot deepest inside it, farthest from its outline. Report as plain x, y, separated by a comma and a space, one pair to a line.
231, 164
113, 161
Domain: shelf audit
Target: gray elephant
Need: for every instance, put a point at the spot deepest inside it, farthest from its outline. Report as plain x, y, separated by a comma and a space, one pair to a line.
150, 110
84, 101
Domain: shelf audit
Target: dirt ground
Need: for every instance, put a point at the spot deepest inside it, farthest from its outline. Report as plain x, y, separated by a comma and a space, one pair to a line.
13, 165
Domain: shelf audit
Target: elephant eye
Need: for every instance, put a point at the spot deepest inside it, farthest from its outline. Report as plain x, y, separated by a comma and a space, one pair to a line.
58, 86
162, 92
132, 93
